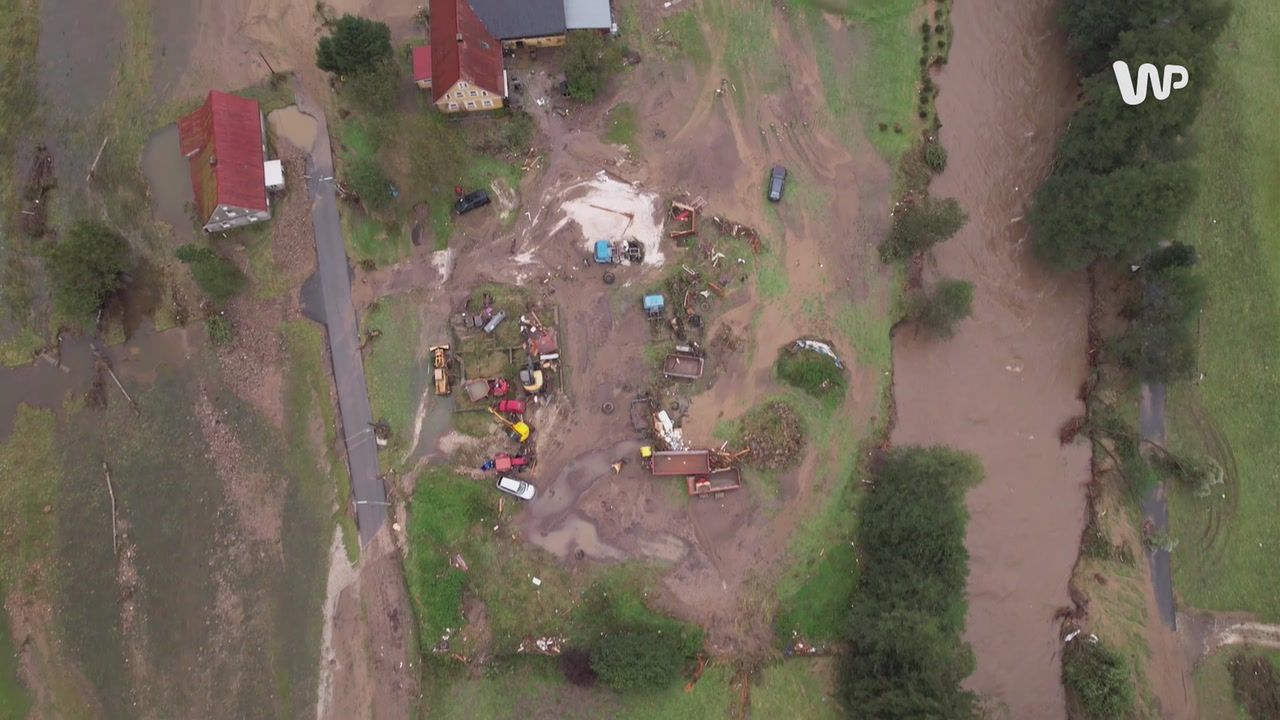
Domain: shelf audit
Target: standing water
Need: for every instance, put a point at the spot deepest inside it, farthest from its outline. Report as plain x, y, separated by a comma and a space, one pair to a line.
293, 125
1009, 379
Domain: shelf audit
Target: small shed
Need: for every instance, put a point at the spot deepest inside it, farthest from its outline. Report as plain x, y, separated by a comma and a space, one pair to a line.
422, 66
587, 15
273, 172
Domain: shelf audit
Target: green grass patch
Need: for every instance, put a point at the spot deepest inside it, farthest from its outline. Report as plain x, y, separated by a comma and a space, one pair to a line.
306, 403
382, 243
268, 283
15, 701
1225, 559
395, 367
749, 54
797, 688
815, 606
813, 373
621, 127
28, 484
683, 37
444, 508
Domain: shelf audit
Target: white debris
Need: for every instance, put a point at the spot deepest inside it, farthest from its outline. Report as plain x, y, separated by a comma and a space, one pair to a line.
611, 209
819, 347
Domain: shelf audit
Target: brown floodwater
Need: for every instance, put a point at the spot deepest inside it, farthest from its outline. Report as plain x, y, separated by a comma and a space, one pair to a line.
293, 125
1003, 386
168, 176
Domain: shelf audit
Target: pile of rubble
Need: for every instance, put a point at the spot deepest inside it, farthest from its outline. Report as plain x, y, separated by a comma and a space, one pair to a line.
775, 435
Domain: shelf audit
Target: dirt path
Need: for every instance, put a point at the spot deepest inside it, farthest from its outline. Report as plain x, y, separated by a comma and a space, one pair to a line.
1003, 386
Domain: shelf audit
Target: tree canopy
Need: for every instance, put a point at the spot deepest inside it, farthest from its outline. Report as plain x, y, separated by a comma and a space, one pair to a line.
920, 226
906, 656
217, 276
589, 61
370, 183
938, 310
355, 44
86, 267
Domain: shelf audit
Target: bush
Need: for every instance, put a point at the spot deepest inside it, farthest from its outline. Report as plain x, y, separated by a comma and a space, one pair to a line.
1160, 340
638, 658
907, 657
938, 310
811, 372
217, 276
370, 184
86, 268
1098, 679
1256, 684
589, 61
354, 45
220, 330
918, 227
935, 156
376, 89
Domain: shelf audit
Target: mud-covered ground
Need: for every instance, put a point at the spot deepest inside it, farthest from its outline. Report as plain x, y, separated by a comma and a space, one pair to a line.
816, 274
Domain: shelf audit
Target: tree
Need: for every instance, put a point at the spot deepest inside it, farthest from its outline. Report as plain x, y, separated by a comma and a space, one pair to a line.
354, 44
217, 276
1094, 27
938, 310
1078, 217
1098, 678
1160, 340
918, 227
376, 89
638, 658
86, 267
589, 61
1173, 255
370, 183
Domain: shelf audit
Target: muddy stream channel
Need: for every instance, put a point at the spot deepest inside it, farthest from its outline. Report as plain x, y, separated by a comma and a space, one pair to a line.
1008, 380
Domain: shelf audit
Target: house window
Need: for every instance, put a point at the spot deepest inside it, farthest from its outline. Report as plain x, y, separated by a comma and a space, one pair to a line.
474, 93
488, 103
453, 106
471, 104
231, 213
462, 85
484, 93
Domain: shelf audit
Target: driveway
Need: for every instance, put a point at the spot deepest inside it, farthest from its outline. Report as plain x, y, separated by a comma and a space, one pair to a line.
1155, 504
334, 274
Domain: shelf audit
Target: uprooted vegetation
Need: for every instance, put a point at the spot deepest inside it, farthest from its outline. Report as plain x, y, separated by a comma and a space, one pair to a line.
775, 434
1098, 680
812, 372
1255, 681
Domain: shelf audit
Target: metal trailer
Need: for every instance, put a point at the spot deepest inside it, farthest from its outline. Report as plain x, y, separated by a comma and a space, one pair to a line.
682, 366
713, 483
674, 463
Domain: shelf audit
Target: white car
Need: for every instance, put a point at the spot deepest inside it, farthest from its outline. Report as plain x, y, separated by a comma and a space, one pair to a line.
519, 488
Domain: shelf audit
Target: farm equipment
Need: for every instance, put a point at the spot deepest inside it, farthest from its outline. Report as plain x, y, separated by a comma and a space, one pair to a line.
518, 430
655, 306
480, 388
683, 364
684, 218
714, 483
440, 368
503, 463
612, 253
531, 379
673, 463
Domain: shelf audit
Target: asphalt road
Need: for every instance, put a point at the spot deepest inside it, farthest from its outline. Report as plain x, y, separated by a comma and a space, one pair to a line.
344, 336
1155, 504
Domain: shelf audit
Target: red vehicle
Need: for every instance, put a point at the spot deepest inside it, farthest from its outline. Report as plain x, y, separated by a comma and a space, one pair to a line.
511, 407
503, 462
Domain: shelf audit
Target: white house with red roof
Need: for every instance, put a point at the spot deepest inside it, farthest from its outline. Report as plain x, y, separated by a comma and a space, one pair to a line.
225, 140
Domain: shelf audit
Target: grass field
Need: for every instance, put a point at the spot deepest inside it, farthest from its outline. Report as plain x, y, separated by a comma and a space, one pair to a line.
799, 688
622, 124
1214, 692
1234, 222
395, 366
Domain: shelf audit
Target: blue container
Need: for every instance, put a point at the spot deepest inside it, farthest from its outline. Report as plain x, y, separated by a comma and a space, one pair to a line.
604, 252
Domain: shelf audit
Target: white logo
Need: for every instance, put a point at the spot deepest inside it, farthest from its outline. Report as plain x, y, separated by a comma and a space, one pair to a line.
1175, 78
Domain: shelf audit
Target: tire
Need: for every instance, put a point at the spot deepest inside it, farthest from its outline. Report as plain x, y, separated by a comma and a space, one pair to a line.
609, 278
607, 408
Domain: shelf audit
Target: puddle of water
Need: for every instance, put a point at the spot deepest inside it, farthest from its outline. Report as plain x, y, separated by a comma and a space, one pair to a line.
294, 126
169, 178
436, 422
135, 362
550, 522
1006, 383
575, 534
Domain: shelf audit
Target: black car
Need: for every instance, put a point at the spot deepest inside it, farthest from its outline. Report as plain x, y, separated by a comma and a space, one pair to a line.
777, 178
471, 201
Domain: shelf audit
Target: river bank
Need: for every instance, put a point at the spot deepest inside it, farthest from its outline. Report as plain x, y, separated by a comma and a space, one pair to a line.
1009, 379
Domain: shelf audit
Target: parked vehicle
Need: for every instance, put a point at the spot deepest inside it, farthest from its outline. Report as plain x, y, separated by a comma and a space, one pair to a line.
471, 201
494, 321
440, 368
511, 407
777, 179
609, 253
519, 488
518, 430
503, 462
655, 306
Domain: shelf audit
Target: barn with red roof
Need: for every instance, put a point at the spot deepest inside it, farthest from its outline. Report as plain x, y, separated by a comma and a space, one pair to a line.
466, 60
225, 140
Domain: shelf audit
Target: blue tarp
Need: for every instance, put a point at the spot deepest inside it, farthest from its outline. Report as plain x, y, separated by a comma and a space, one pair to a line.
654, 302
604, 251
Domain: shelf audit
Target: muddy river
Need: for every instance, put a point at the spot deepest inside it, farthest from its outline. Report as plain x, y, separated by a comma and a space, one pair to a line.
1007, 381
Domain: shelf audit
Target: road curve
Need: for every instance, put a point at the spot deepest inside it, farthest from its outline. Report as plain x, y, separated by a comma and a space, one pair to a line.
356, 416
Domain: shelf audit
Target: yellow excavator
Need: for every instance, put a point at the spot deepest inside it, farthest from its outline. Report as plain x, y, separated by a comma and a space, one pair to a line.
518, 430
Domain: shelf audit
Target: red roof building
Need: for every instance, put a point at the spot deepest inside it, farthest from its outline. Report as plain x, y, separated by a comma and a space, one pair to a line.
226, 143
422, 66
466, 61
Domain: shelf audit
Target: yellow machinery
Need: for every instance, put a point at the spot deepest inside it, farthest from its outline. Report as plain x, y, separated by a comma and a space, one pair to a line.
518, 430
440, 363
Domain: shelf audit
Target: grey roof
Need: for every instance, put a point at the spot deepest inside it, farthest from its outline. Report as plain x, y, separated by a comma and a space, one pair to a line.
516, 19
587, 15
